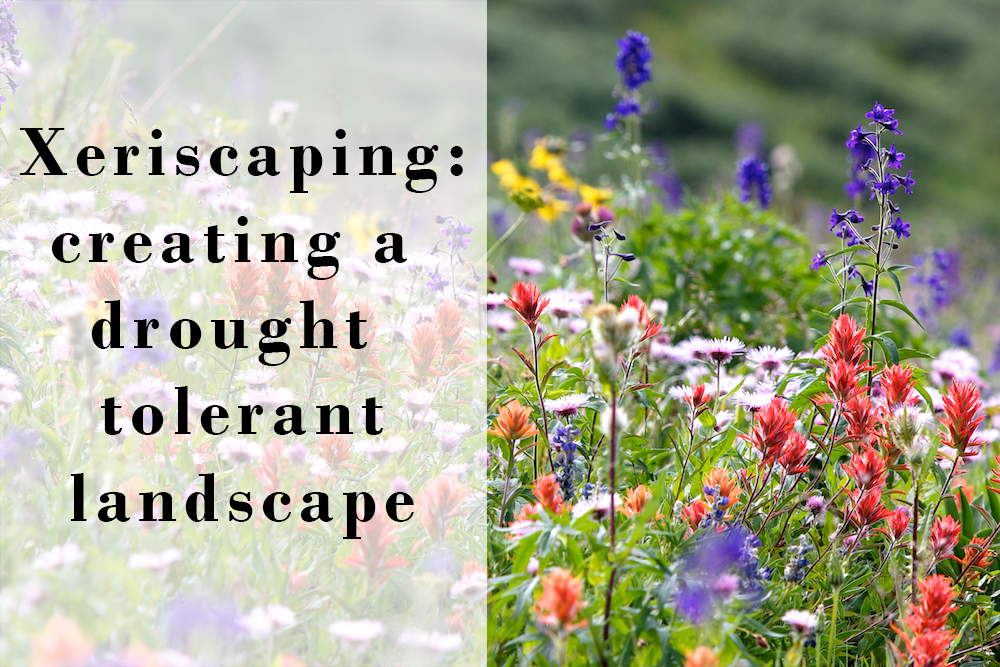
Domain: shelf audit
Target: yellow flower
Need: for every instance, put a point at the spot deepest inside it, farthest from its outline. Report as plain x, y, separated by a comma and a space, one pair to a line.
509, 177
545, 160
552, 209
595, 196
362, 227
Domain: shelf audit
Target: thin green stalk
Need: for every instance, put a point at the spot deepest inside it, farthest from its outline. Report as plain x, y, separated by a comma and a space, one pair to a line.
833, 626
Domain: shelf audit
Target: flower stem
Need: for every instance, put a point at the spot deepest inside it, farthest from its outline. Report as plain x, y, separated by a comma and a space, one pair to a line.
913, 548
506, 235
541, 403
612, 480
833, 626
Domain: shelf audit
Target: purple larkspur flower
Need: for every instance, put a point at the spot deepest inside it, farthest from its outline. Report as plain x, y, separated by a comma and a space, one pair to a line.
749, 139
894, 158
633, 60
900, 229
819, 261
752, 177
961, 337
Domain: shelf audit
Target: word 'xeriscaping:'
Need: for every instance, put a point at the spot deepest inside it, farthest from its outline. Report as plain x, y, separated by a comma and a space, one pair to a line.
307, 161
317, 506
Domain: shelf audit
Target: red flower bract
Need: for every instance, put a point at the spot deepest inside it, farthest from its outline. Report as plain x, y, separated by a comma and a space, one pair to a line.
961, 404
527, 302
773, 426
651, 328
844, 342
944, 536
866, 468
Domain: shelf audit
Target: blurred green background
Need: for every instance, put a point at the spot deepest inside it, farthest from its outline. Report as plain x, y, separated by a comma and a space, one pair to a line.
807, 70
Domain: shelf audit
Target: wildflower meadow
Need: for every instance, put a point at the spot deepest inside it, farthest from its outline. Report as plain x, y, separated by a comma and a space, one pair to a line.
713, 440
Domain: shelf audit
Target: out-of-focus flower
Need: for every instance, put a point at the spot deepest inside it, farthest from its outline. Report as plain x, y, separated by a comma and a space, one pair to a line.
752, 176
282, 112
560, 604
565, 407
636, 500
265, 621
944, 537
701, 657
440, 499
633, 59
356, 633
954, 365
803, 622
769, 359
647, 322
61, 643
431, 642
239, 450
473, 582
154, 561
450, 434
58, 556
526, 266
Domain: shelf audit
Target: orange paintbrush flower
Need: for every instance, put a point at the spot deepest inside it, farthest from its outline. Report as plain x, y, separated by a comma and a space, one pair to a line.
560, 603
867, 468
549, 494
513, 423
977, 554
701, 657
636, 500
440, 499
61, 642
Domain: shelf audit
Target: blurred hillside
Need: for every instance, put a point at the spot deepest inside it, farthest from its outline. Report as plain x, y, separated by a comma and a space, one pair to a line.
806, 70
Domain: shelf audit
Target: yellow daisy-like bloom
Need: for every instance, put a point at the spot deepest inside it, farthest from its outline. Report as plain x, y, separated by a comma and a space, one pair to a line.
510, 178
595, 196
552, 209
545, 160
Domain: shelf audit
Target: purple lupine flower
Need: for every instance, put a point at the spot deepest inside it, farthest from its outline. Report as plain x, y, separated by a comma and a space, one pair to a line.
995, 364
961, 337
819, 261
191, 619
16, 446
752, 175
855, 187
457, 232
633, 60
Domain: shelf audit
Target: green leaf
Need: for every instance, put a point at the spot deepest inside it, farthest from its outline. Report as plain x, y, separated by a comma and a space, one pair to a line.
910, 353
901, 306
